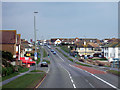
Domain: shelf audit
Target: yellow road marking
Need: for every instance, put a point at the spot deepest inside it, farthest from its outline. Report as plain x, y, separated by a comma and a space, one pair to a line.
40, 82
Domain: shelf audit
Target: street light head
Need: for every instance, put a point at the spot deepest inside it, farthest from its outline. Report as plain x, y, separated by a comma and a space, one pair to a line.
35, 12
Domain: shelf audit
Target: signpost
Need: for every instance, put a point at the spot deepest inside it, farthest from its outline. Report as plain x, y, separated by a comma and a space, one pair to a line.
35, 55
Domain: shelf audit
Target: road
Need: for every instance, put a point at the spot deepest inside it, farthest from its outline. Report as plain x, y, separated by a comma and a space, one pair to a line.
64, 74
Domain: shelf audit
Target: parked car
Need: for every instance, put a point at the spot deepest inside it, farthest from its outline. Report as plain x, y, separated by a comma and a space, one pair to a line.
90, 57
44, 64
113, 59
54, 52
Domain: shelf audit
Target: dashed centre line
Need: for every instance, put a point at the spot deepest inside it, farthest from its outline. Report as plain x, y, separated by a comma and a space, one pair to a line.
69, 76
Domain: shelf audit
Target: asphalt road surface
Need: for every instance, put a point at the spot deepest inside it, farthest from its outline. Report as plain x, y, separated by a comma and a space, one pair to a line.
62, 73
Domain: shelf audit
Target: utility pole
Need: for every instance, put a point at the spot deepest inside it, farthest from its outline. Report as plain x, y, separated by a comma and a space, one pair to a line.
35, 54
85, 45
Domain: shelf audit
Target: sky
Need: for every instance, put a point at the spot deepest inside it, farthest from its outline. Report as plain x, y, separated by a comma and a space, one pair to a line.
61, 19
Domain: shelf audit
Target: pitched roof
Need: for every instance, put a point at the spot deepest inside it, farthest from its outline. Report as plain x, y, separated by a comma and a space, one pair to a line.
8, 37
114, 44
93, 44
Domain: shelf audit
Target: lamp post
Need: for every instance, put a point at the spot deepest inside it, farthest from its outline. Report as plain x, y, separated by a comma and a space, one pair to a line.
35, 54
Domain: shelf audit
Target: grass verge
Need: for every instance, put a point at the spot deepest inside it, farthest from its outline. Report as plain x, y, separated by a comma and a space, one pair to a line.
24, 70
25, 81
65, 48
83, 64
36, 71
70, 59
15, 74
100, 59
62, 53
114, 72
44, 53
10, 76
46, 61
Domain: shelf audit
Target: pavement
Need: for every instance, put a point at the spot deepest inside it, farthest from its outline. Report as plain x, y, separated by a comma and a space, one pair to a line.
63, 73
13, 78
45, 69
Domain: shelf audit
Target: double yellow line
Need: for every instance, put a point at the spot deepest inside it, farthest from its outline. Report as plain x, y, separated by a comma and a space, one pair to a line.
41, 81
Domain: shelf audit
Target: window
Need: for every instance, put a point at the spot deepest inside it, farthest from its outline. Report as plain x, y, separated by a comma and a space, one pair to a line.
89, 48
81, 48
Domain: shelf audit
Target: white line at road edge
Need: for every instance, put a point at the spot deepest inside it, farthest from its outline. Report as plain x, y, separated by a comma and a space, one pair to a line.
60, 57
48, 70
97, 77
69, 76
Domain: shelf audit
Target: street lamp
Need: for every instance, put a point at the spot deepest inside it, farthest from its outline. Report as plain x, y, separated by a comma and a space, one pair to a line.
35, 54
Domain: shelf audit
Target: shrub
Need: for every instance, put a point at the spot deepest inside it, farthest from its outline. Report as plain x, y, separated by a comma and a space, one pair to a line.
7, 55
10, 70
4, 71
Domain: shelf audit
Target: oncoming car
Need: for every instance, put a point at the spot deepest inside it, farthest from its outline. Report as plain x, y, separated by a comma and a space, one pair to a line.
44, 64
54, 52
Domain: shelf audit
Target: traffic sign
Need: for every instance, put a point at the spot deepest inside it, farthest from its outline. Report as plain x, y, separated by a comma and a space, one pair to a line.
35, 55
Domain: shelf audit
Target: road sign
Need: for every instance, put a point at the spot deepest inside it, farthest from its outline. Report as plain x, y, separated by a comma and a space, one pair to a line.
35, 55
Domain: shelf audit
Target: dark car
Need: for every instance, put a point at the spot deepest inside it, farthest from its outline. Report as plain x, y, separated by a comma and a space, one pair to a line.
90, 57
54, 52
44, 64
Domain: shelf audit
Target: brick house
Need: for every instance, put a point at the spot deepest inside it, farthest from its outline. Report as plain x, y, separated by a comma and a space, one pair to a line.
8, 41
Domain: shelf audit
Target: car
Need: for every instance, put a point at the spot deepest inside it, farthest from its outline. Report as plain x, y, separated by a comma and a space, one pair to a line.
49, 47
90, 57
44, 64
54, 52
113, 59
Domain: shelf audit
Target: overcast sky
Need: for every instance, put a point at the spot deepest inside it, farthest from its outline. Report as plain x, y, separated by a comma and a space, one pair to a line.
62, 19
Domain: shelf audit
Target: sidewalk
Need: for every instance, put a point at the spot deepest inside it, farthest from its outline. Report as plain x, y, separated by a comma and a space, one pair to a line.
100, 67
21, 74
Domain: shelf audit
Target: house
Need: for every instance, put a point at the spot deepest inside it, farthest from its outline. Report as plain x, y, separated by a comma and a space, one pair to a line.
88, 49
18, 45
112, 50
8, 41
26, 45
57, 42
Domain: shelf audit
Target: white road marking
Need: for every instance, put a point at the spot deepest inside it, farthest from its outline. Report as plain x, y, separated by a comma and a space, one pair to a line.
91, 85
48, 70
104, 81
86, 80
74, 86
97, 77
60, 57
71, 80
69, 76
